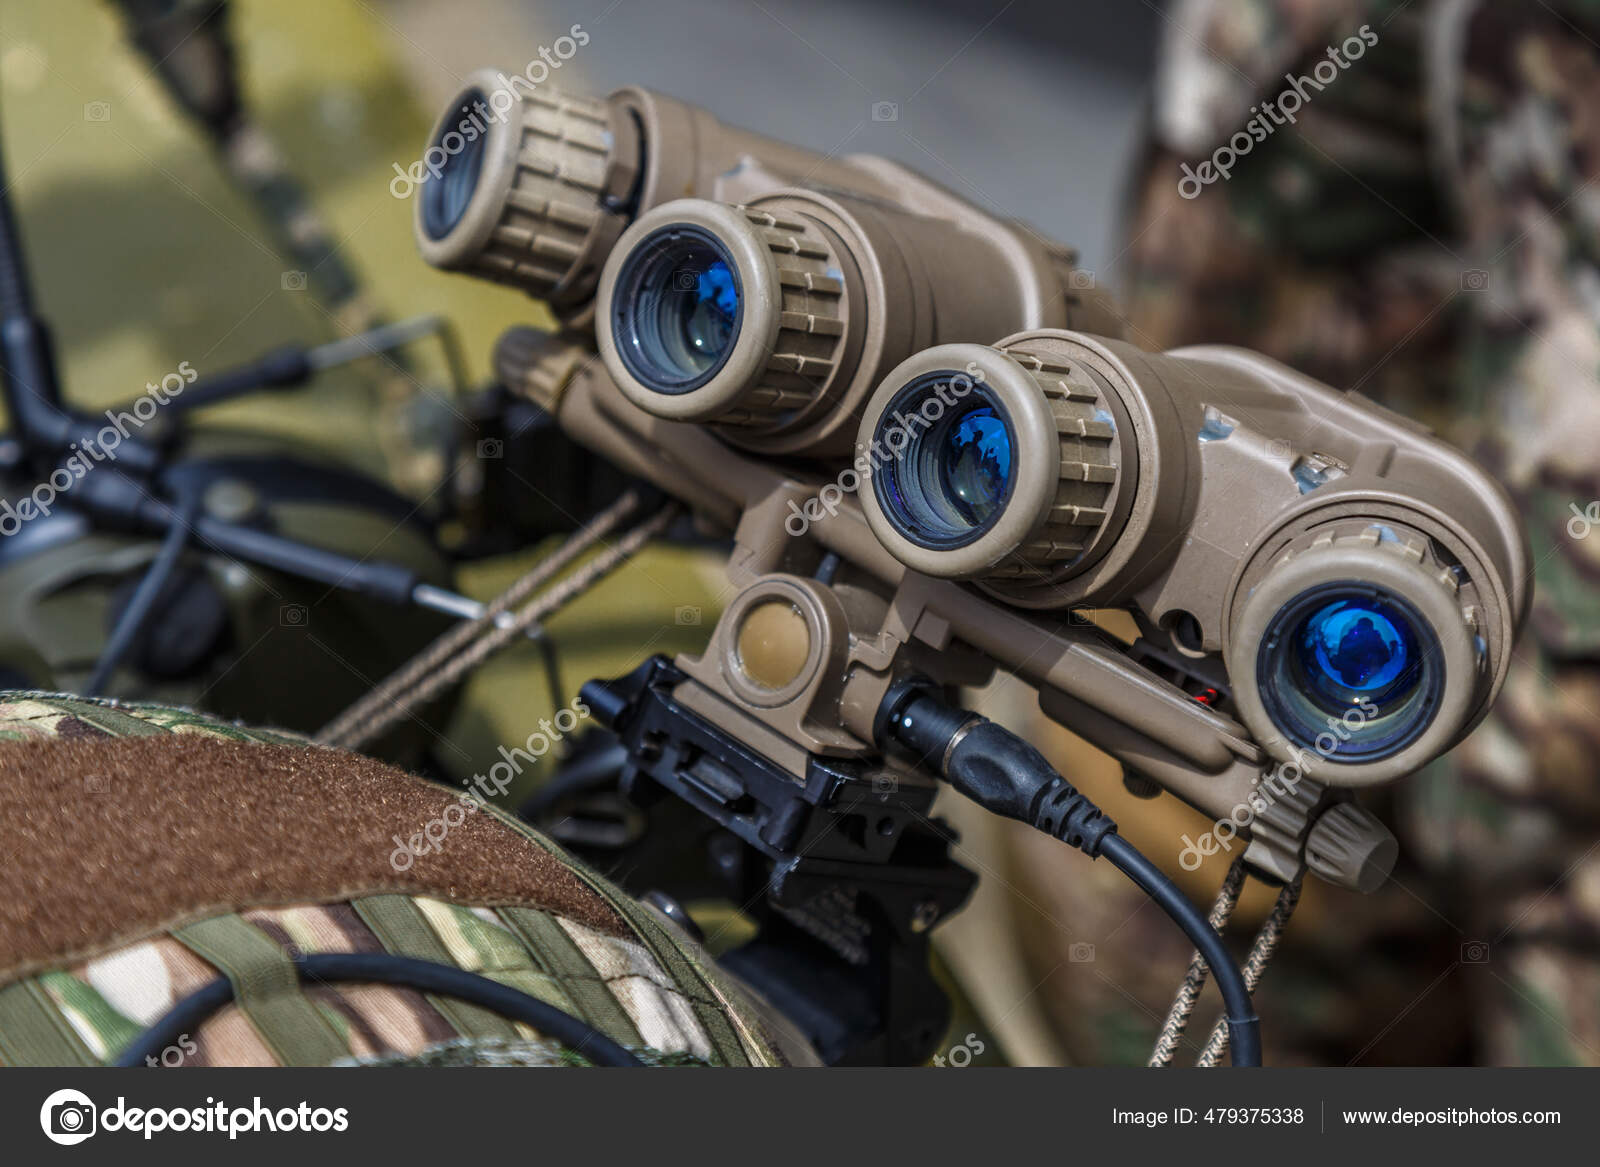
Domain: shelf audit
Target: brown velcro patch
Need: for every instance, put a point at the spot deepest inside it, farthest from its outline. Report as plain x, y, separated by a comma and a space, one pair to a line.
109, 839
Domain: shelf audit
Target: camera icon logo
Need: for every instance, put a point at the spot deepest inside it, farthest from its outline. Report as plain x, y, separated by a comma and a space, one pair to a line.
491, 448
1583, 520
293, 615
884, 784
1081, 279
684, 280
686, 614
886, 111
1474, 280
1081, 953
294, 281
96, 783
68, 1117
97, 111
1474, 952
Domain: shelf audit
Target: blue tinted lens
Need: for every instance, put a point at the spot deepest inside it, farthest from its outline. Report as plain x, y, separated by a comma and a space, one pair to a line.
975, 464
446, 197
1350, 671
676, 309
951, 460
708, 321
1357, 647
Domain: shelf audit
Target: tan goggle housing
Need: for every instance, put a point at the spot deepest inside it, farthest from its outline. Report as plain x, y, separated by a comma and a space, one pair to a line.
1227, 501
1208, 488
847, 265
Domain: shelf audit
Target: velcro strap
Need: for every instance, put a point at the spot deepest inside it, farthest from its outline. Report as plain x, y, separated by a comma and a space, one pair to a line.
267, 988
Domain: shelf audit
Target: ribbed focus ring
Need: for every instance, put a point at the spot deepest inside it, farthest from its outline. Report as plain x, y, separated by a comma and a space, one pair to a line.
538, 365
1411, 549
811, 322
553, 231
1087, 437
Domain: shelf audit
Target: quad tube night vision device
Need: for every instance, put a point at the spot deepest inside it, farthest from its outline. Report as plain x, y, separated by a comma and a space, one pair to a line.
1361, 581
934, 456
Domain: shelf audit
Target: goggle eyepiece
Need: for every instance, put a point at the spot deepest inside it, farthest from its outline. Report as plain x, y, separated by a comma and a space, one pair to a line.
678, 308
1354, 655
948, 451
991, 466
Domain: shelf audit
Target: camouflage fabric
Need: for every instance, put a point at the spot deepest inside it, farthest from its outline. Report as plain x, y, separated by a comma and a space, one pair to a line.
102, 1005
649, 989
1427, 231
26, 715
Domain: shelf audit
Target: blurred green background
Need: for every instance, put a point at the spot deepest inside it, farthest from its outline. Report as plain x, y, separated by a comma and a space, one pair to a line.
144, 256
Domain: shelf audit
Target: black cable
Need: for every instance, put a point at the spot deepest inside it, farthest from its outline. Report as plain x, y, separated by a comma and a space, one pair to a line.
112, 501
143, 601
181, 1020
550, 657
40, 422
388, 969
1244, 1027
1003, 773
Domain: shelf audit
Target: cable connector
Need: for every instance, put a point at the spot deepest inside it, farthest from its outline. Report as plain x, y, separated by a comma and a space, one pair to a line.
990, 765
1068, 815
1004, 774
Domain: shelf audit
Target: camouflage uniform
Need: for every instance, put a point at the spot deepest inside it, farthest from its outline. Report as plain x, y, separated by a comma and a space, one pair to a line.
636, 980
1426, 232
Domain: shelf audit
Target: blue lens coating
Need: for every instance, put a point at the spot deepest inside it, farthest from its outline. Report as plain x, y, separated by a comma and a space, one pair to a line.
677, 308
975, 464
1350, 671
948, 457
1356, 646
446, 199
708, 320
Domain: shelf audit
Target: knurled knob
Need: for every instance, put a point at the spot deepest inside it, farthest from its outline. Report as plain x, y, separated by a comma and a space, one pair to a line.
538, 365
1349, 847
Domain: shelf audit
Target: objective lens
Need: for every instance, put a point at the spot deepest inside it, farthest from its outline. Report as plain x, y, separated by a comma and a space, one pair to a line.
1352, 648
445, 199
676, 312
944, 455
1350, 671
975, 464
